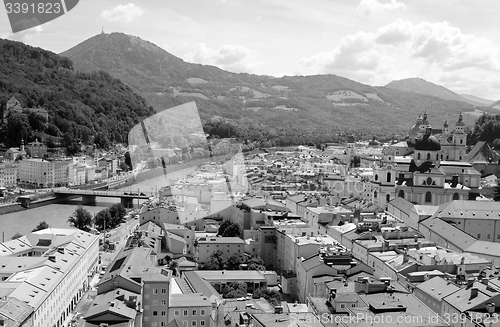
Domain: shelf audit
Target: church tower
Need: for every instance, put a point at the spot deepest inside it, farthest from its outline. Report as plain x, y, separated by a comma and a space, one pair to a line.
459, 139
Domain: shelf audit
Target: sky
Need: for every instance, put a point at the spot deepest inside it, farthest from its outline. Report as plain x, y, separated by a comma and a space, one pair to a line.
453, 43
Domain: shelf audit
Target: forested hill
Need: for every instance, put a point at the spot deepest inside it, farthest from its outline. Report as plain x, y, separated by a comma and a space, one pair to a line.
91, 108
487, 128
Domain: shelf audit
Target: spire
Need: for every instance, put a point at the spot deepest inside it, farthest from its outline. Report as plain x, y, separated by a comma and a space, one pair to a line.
446, 123
460, 122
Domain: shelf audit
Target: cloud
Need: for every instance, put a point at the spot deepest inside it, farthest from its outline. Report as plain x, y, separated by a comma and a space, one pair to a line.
27, 35
374, 6
438, 52
234, 58
122, 13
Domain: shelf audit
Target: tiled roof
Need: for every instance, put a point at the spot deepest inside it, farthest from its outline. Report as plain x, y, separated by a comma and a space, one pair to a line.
189, 300
438, 288
450, 233
469, 210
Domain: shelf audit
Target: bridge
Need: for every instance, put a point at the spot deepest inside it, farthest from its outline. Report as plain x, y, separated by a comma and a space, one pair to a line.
89, 196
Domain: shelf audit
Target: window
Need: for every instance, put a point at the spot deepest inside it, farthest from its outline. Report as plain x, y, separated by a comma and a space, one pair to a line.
163, 291
387, 198
195, 312
155, 313
428, 156
428, 197
418, 156
193, 323
163, 313
478, 235
202, 322
342, 306
185, 313
163, 302
353, 305
177, 313
456, 196
185, 323
163, 324
154, 324
389, 177
155, 302
401, 194
155, 291
488, 236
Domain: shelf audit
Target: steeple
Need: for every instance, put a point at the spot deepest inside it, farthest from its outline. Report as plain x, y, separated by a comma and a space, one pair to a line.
460, 122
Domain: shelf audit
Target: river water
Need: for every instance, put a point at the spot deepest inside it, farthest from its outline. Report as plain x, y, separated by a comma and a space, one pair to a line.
56, 215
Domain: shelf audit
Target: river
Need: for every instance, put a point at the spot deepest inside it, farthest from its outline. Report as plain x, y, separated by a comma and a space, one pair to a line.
56, 215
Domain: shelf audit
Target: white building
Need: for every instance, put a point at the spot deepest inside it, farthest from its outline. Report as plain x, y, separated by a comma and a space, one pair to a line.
51, 287
45, 173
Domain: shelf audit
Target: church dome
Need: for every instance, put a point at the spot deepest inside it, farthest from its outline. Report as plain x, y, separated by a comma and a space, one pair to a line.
428, 143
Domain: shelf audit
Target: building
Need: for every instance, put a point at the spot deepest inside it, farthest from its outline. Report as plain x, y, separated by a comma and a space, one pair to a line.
480, 219
44, 173
229, 246
54, 268
436, 173
8, 174
192, 310
36, 149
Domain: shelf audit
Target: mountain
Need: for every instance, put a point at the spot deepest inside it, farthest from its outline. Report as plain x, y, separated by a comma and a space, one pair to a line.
91, 108
421, 86
484, 102
284, 110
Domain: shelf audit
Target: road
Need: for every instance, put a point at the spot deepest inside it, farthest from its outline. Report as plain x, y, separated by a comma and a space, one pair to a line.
118, 236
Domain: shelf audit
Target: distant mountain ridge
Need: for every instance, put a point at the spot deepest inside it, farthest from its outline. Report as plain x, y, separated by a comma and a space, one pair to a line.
421, 86
309, 107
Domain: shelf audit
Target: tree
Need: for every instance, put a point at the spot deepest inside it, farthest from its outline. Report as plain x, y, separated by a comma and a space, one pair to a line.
496, 193
81, 219
234, 290
272, 296
40, 226
214, 262
173, 266
229, 229
16, 236
117, 213
37, 122
234, 262
128, 160
102, 220
256, 263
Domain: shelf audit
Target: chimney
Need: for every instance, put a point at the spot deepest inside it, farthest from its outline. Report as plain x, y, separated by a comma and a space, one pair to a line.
60, 250
278, 309
470, 282
385, 246
52, 258
419, 244
473, 293
401, 178
454, 181
490, 307
405, 256
484, 281
353, 263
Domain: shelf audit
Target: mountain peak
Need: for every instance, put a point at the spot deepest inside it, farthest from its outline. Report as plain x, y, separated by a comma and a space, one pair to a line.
421, 86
